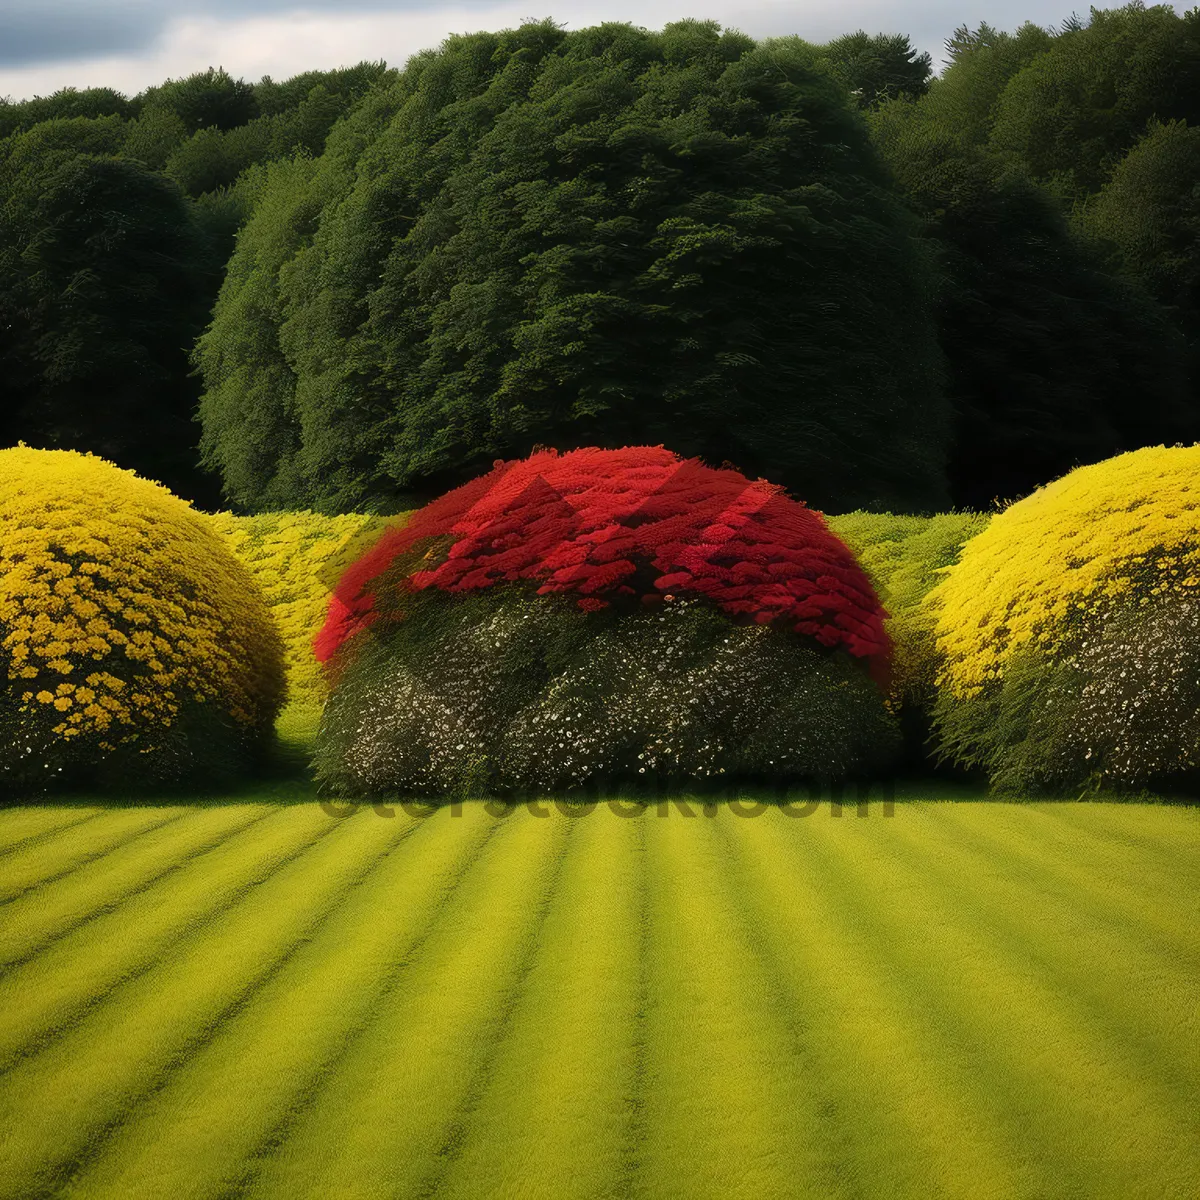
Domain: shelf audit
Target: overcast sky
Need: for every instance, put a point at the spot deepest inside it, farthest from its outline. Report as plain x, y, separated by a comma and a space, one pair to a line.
130, 44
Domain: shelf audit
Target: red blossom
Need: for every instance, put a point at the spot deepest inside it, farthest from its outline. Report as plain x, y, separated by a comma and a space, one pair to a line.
608, 524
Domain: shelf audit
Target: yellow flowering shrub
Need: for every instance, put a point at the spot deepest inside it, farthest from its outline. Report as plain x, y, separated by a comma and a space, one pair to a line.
1070, 633
133, 645
1046, 569
905, 556
296, 559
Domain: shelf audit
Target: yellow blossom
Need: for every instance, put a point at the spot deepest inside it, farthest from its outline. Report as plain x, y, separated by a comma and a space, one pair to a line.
92, 557
1111, 530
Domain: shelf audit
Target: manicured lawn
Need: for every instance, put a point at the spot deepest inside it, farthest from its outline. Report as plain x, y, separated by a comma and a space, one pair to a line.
254, 998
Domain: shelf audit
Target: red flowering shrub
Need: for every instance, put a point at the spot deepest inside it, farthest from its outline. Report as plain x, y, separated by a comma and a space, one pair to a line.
571, 671
622, 526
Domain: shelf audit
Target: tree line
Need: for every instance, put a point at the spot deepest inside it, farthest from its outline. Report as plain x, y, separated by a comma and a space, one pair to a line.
355, 288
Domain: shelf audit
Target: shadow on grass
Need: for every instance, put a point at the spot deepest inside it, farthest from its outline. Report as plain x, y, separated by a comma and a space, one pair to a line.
283, 776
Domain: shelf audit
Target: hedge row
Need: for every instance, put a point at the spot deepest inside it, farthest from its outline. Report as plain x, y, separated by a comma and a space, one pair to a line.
615, 614
296, 559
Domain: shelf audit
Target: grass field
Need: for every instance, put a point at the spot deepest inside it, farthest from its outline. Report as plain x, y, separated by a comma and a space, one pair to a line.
258, 999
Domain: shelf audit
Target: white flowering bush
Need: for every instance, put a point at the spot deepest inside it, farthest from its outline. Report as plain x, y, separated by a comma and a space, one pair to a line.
509, 691
682, 692
1122, 712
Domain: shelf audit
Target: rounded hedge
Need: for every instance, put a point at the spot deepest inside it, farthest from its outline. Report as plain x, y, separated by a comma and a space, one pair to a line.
134, 648
620, 527
1052, 624
603, 615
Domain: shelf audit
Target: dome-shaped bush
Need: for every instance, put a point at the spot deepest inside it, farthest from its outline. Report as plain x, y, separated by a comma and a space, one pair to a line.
603, 613
134, 648
1046, 625
631, 524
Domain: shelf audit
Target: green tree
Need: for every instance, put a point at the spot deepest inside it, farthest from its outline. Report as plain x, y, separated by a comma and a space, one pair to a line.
877, 68
1048, 338
207, 98
1075, 112
963, 100
213, 158
348, 83
1054, 361
152, 137
600, 237
63, 104
1147, 219
99, 304
1148, 213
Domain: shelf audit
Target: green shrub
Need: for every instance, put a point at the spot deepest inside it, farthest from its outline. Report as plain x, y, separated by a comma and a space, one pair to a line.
296, 559
505, 690
1121, 713
1060, 629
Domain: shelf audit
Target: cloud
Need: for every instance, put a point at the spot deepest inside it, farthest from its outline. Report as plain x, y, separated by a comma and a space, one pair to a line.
132, 44
38, 32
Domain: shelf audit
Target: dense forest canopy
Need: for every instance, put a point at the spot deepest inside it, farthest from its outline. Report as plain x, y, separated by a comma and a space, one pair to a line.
821, 263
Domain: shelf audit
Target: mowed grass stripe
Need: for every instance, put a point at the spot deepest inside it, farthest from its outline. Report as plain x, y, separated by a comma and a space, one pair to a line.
19, 826
199, 1136
72, 848
1101, 1129
911, 1117
553, 1119
54, 989
1153, 829
379, 1123
1080, 883
51, 910
1062, 830
57, 1106
729, 1109
1132, 902
1073, 942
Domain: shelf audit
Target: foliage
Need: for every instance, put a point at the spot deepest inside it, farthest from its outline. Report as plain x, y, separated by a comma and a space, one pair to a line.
1149, 212
219, 215
64, 104
214, 158
248, 356
872, 68
206, 99
611, 236
597, 237
628, 527
1077, 109
347, 83
1127, 527
982, 62
135, 648
1066, 628
152, 137
296, 559
506, 690
101, 292
905, 556
1122, 712
602, 613
1044, 343
877, 68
